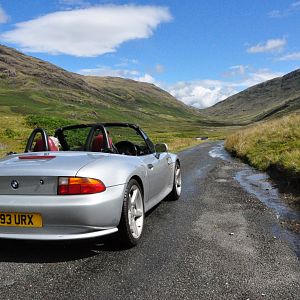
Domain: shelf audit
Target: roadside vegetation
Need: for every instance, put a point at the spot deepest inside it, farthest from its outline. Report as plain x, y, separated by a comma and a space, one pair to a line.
272, 146
16, 128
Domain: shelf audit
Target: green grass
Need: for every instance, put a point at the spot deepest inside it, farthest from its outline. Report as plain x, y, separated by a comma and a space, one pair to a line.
22, 110
16, 128
268, 100
40, 94
13, 133
270, 144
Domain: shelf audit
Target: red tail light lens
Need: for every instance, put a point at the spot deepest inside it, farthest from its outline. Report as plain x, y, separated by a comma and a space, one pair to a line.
79, 186
37, 157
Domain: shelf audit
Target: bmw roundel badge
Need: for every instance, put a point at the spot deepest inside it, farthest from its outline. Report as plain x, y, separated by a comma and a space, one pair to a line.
14, 184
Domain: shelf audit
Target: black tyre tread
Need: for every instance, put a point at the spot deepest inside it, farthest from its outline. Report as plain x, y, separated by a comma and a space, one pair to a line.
173, 196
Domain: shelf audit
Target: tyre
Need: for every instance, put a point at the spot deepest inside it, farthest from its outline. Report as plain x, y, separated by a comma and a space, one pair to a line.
176, 191
133, 214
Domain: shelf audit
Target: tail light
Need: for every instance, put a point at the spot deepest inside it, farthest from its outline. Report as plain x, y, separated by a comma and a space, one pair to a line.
79, 186
37, 157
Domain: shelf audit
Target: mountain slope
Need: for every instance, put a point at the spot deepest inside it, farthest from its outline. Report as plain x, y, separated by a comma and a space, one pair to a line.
269, 99
32, 86
36, 93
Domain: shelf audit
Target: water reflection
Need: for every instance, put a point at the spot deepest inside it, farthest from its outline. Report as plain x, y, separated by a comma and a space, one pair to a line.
219, 152
259, 184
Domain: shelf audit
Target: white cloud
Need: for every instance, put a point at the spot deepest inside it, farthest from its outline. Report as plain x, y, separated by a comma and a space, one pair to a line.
271, 45
196, 93
237, 70
3, 16
126, 62
74, 3
275, 13
205, 93
258, 76
107, 71
290, 56
77, 3
87, 32
159, 68
295, 4
145, 78
292, 8
124, 73
202, 93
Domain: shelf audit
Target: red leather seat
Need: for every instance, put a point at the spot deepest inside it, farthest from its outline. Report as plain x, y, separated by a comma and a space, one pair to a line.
98, 143
39, 145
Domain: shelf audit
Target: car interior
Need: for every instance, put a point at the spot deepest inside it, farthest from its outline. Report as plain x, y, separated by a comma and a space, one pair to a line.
123, 139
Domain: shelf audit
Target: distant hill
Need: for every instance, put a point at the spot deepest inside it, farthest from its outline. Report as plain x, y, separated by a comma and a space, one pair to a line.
32, 86
266, 100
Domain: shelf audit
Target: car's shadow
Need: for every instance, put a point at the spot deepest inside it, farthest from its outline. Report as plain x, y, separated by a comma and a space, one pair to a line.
22, 251
50, 252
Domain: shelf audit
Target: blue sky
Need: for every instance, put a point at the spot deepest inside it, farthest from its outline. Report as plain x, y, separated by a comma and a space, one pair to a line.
199, 51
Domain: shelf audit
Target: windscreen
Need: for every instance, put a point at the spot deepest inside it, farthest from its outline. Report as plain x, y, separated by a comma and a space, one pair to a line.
119, 134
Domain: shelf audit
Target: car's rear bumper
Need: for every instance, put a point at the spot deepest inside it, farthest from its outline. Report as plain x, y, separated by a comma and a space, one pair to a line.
65, 217
58, 237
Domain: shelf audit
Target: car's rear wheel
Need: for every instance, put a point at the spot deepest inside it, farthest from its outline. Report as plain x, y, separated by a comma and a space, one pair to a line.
176, 191
132, 218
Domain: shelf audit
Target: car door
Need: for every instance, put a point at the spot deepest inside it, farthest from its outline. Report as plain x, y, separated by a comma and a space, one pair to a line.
158, 173
157, 165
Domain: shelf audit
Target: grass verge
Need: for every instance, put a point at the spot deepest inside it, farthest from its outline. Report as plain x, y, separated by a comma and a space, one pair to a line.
272, 146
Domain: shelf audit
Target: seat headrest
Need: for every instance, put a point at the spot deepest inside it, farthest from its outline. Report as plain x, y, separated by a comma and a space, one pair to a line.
39, 145
98, 143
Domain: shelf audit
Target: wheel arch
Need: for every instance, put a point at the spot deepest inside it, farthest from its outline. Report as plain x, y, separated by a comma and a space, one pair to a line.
177, 161
140, 182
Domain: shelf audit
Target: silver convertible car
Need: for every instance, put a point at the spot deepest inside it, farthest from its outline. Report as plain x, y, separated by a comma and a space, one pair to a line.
87, 181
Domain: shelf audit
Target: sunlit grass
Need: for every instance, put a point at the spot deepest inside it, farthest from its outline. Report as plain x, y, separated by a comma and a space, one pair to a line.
272, 143
15, 129
178, 144
13, 133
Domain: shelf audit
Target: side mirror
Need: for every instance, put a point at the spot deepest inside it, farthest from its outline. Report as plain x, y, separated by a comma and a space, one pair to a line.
160, 148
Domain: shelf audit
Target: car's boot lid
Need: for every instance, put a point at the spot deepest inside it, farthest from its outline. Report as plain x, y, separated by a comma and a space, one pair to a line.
46, 163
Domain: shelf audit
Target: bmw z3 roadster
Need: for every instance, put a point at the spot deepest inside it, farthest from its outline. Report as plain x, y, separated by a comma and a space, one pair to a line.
86, 181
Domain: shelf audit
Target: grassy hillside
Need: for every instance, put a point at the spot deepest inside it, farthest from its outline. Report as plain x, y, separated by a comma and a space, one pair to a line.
272, 146
37, 93
15, 129
29, 85
270, 99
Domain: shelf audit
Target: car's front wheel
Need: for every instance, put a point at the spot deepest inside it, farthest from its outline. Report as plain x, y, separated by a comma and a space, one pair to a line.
132, 217
176, 191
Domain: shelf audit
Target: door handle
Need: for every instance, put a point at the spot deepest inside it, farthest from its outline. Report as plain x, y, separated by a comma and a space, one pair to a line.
169, 160
150, 166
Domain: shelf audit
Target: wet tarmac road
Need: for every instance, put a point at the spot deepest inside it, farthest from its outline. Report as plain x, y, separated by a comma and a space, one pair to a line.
216, 242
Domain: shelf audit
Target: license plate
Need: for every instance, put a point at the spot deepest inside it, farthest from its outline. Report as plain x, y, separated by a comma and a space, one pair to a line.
20, 219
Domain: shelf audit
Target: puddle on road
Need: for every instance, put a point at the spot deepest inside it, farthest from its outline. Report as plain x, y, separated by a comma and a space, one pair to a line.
219, 152
258, 183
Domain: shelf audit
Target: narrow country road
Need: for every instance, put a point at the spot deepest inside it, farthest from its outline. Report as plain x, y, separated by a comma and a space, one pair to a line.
216, 242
